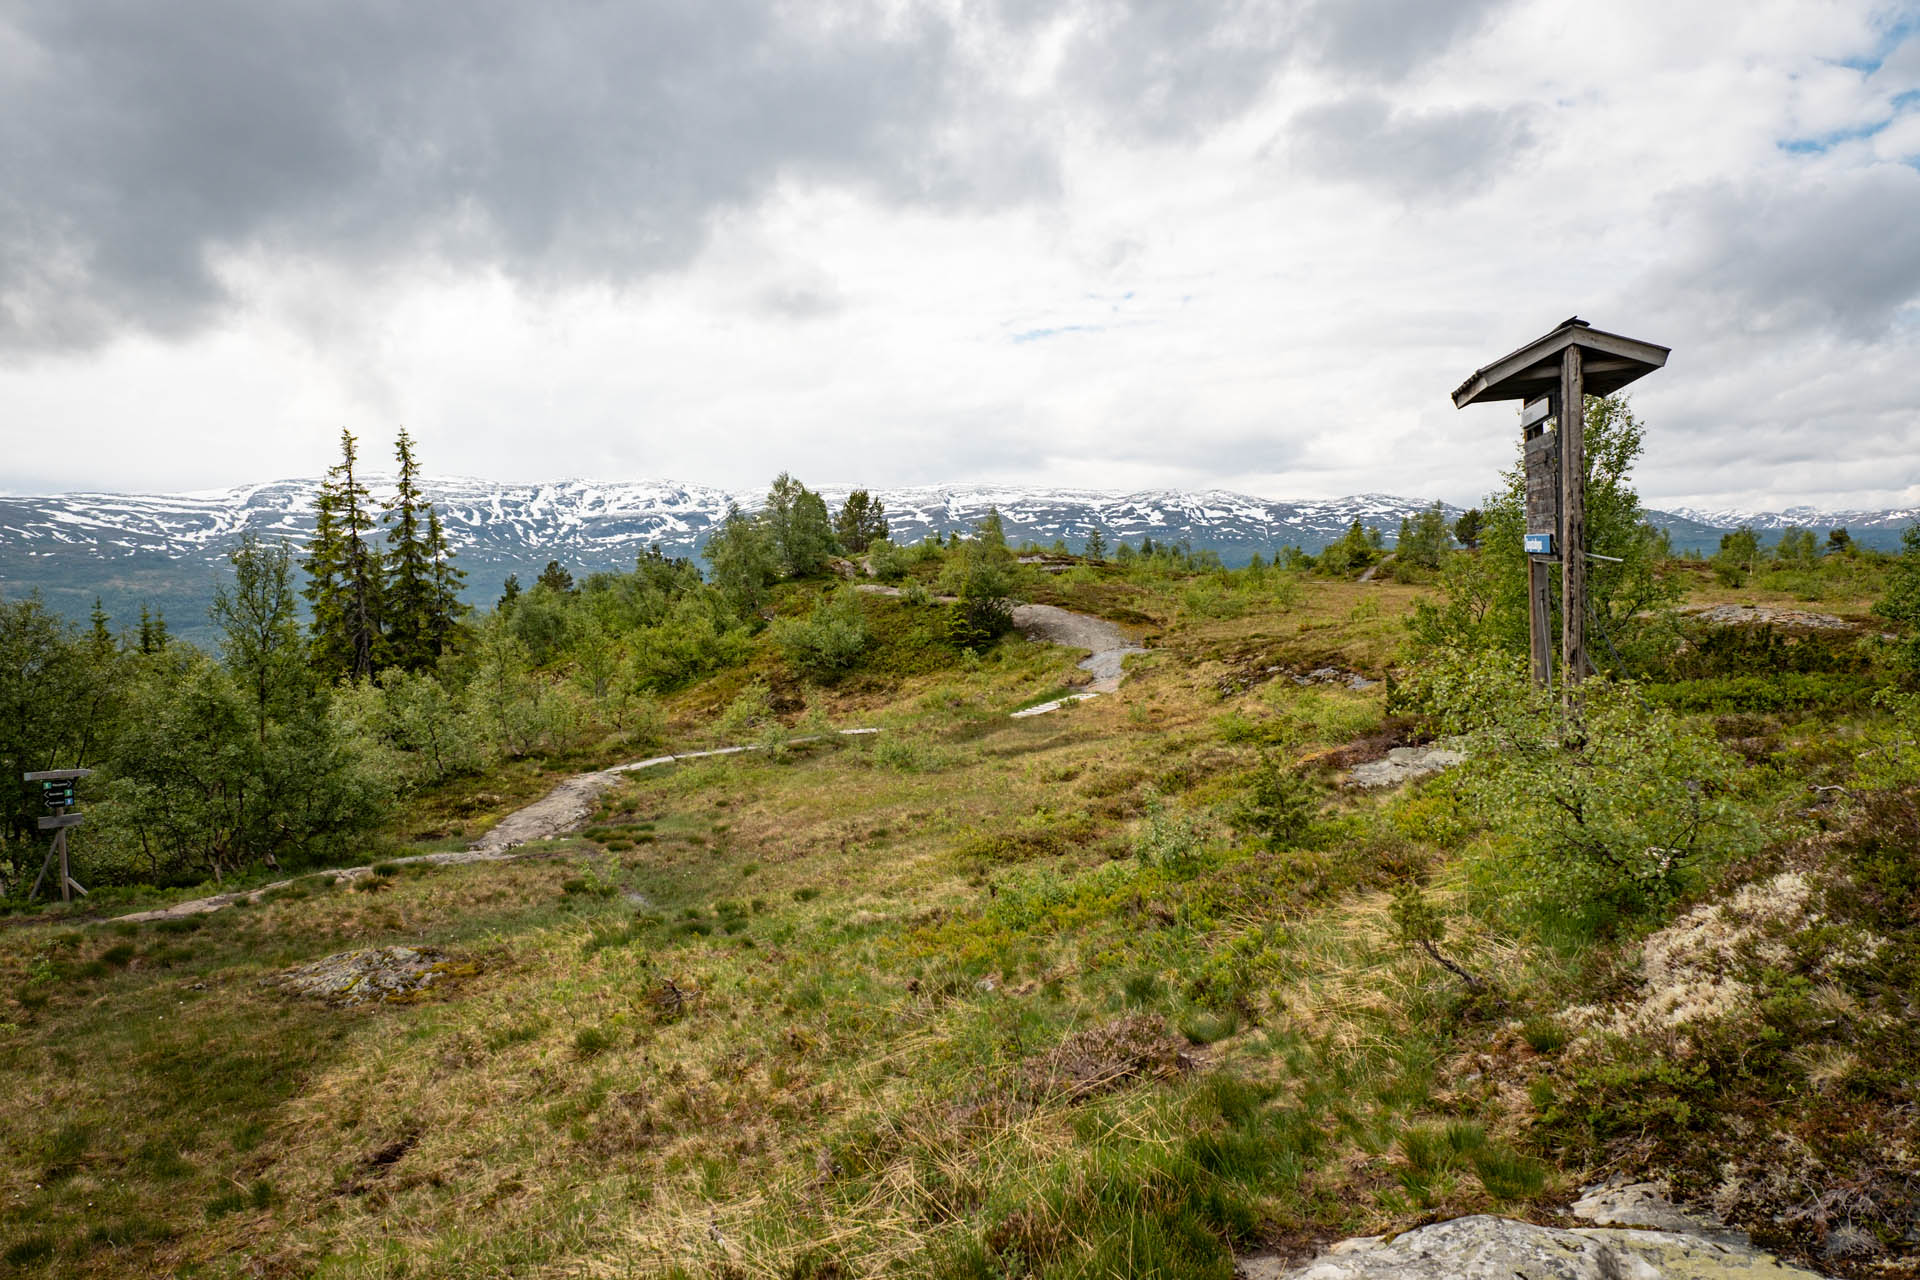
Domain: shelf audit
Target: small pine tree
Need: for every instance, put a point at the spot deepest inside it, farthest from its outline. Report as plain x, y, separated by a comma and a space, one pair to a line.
861, 523
1466, 530
555, 578
509, 592
153, 631
100, 638
1096, 545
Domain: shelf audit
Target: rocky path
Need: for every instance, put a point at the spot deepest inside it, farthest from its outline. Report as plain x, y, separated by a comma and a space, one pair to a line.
559, 811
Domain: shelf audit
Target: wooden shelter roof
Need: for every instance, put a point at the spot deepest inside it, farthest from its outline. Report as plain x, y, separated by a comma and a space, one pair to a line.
1608, 363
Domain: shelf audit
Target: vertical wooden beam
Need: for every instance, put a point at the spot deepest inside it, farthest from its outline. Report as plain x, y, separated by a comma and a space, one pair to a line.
1540, 619
66, 874
1573, 521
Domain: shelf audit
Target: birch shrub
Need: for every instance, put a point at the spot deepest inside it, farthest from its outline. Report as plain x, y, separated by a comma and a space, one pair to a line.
1607, 808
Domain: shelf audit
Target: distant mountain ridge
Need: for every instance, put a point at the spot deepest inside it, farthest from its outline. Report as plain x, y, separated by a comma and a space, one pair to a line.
170, 550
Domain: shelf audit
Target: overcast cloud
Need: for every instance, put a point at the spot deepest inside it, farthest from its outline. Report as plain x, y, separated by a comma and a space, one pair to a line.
1243, 244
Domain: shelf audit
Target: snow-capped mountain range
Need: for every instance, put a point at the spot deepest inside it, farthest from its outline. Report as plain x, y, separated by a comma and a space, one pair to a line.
170, 549
592, 525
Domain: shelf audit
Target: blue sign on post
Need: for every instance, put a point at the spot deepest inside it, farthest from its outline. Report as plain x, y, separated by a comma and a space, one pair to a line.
1539, 544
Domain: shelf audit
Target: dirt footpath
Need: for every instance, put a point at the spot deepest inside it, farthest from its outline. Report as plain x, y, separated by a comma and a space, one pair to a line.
571, 802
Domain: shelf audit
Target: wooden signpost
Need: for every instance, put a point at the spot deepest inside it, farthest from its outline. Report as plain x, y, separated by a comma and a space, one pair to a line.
1552, 377
56, 789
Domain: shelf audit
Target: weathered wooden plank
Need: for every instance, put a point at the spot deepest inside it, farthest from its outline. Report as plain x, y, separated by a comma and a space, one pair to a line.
57, 820
56, 775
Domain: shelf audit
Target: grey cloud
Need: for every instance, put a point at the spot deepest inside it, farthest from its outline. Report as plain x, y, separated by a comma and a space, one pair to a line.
1388, 38
1171, 68
1427, 153
145, 144
595, 140
1831, 250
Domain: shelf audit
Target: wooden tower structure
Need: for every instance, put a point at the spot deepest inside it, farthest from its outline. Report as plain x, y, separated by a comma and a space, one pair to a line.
1551, 377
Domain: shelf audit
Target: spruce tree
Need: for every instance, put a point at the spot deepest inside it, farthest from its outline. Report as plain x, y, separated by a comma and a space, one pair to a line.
153, 631
324, 567
410, 595
443, 620
1466, 530
344, 583
101, 637
1096, 545
862, 521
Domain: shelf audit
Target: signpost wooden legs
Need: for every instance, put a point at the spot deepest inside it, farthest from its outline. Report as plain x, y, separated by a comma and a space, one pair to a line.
58, 853
1573, 520
1540, 618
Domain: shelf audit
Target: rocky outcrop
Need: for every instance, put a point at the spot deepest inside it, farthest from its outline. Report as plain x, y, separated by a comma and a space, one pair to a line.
1404, 764
1483, 1247
1760, 615
1638, 1234
372, 973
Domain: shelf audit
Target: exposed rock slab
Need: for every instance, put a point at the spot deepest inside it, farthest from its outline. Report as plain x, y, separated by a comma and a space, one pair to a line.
371, 973
1110, 645
1645, 1204
1404, 764
1484, 1247
1760, 615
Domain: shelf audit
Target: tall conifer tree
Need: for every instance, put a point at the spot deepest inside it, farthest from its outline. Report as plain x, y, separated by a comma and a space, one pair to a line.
344, 579
324, 566
443, 622
410, 594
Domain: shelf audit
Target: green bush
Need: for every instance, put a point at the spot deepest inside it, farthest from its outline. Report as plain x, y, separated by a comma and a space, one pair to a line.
1170, 838
1280, 806
1779, 691
1611, 804
830, 641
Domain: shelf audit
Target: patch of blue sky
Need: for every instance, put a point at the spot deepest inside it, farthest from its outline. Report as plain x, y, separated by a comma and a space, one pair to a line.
1905, 23
1036, 335
1827, 141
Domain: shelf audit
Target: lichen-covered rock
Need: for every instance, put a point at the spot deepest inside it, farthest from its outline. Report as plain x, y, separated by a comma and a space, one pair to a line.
1404, 764
1759, 615
1483, 1247
372, 973
1645, 1204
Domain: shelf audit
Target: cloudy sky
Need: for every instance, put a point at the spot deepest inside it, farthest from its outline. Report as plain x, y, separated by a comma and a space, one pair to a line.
1243, 244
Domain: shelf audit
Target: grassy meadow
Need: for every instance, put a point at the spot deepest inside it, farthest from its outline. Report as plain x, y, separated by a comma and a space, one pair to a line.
985, 997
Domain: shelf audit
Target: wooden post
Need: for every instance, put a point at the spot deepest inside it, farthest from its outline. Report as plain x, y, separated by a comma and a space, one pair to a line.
1573, 521
1540, 618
